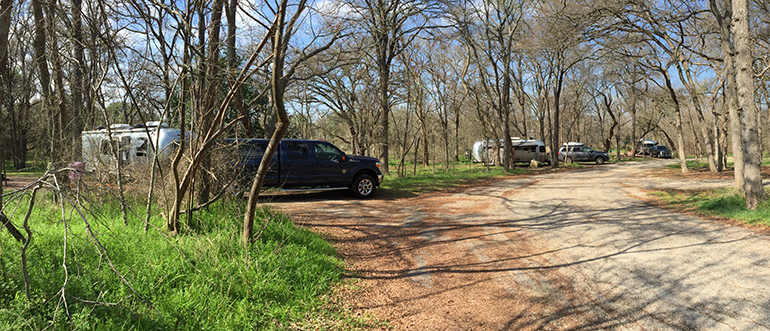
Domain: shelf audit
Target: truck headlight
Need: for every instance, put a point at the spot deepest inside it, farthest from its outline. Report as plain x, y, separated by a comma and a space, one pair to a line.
378, 164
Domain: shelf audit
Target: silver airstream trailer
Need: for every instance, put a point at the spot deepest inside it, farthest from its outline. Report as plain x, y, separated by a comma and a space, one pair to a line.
132, 143
524, 151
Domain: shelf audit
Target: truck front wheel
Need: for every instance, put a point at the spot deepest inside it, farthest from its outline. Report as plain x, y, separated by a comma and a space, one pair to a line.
363, 186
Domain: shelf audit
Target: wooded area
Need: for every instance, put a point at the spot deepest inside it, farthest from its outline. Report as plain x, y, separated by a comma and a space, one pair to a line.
402, 80
407, 81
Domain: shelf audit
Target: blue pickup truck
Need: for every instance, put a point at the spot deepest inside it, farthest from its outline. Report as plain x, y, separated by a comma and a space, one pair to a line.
304, 165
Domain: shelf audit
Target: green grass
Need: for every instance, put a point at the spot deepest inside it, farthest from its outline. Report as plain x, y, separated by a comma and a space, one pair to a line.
691, 164
203, 279
428, 180
32, 170
726, 203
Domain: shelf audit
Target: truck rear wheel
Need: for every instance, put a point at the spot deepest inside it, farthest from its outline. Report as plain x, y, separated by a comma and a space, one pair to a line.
363, 186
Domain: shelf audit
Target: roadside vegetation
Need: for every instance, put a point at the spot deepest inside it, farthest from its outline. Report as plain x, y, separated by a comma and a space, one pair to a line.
97, 273
725, 203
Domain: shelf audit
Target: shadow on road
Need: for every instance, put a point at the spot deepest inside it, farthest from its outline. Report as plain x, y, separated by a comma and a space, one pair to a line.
570, 253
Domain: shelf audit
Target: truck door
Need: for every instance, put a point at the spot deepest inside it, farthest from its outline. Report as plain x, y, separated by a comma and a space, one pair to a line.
296, 164
330, 167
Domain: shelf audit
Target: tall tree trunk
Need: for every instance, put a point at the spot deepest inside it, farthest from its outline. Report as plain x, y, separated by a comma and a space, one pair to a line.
62, 111
457, 135
384, 72
39, 45
555, 125
6, 8
232, 64
686, 77
278, 87
77, 79
752, 157
724, 20
6, 102
505, 110
678, 122
209, 99
180, 186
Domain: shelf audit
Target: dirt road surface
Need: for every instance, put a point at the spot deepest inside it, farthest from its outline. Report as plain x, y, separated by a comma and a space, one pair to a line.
575, 250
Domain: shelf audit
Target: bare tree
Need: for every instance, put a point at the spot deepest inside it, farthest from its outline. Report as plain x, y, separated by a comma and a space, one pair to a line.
492, 31
392, 26
561, 43
444, 74
343, 84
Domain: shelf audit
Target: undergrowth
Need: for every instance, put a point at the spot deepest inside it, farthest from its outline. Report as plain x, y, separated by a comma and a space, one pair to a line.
104, 275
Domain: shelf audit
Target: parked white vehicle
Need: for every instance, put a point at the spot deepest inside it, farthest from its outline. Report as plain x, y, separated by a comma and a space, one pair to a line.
524, 150
132, 143
647, 146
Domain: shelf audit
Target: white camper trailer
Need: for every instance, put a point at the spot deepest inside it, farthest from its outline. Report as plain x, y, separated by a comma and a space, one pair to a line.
132, 143
524, 150
646, 146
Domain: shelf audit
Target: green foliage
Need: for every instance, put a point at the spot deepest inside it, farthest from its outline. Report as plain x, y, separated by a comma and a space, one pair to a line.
202, 280
727, 203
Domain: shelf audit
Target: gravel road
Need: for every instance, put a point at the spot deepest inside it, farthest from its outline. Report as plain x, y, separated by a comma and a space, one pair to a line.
574, 250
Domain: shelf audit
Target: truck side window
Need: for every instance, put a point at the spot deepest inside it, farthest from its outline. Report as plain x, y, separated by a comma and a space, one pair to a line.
298, 151
327, 152
253, 151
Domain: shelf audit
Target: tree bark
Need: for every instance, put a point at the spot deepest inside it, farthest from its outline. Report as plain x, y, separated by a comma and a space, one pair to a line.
678, 122
62, 108
278, 87
39, 45
6, 7
77, 79
209, 99
752, 157
556, 121
724, 21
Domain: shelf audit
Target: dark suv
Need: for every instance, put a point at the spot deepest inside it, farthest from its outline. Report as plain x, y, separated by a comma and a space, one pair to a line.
661, 152
582, 154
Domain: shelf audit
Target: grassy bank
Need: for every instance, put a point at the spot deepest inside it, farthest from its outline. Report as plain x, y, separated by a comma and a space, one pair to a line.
725, 203
132, 280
